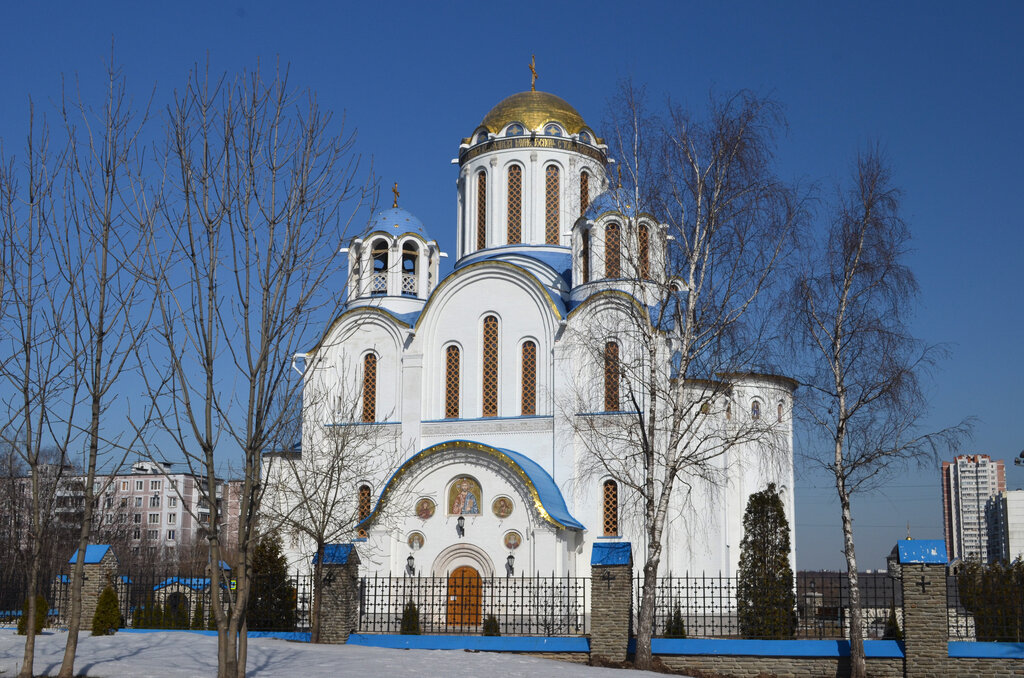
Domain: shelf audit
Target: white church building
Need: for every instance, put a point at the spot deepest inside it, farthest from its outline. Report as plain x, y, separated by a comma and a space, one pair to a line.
479, 395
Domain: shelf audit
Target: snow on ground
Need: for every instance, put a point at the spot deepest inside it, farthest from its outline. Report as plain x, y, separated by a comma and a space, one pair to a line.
171, 654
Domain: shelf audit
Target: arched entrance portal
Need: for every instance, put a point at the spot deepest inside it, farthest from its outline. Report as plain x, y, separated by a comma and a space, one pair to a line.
464, 597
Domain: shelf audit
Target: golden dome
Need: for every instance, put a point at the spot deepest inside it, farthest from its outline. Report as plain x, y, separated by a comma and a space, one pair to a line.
534, 110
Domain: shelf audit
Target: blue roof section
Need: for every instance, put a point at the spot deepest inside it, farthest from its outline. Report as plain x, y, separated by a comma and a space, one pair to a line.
93, 554
550, 496
559, 262
929, 551
613, 200
194, 583
396, 221
612, 553
335, 554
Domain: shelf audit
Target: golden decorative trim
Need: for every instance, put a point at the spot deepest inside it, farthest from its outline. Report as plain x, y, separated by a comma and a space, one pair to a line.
508, 143
478, 447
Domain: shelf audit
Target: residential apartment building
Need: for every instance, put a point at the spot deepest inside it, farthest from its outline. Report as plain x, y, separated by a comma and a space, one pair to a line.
1006, 539
153, 509
969, 482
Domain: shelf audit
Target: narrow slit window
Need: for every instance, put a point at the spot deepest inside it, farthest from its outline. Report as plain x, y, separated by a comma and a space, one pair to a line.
490, 372
369, 388
611, 509
612, 258
364, 507
644, 255
451, 383
481, 210
611, 377
529, 378
515, 205
584, 192
585, 256
551, 205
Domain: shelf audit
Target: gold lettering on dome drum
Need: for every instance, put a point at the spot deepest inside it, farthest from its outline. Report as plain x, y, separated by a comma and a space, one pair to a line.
528, 142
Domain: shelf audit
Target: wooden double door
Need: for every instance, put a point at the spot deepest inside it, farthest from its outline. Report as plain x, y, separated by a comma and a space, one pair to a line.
464, 597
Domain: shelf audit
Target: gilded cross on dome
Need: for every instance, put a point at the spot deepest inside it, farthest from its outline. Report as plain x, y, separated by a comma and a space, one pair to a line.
533, 72
394, 189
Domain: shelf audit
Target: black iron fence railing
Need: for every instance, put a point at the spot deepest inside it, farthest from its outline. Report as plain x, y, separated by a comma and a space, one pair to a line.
707, 606
177, 600
465, 603
985, 606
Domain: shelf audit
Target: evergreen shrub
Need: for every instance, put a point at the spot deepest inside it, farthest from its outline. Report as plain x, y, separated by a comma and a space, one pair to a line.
491, 626
410, 620
107, 618
42, 609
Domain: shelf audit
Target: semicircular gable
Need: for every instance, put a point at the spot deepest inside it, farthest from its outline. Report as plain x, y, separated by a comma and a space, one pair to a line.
351, 319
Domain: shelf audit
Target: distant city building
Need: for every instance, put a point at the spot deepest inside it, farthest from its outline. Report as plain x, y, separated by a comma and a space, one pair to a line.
153, 508
968, 483
1006, 540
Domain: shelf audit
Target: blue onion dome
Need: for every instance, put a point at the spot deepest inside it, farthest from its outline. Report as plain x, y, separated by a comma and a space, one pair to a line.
396, 221
613, 200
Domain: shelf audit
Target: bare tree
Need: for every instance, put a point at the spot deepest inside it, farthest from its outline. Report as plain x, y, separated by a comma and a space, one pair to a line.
864, 393
314, 490
39, 385
679, 326
261, 187
106, 214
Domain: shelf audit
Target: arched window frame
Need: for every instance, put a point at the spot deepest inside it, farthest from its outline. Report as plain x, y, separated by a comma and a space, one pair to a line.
780, 410
451, 404
612, 250
552, 203
364, 499
369, 395
490, 368
584, 192
380, 252
514, 203
610, 508
755, 409
643, 237
481, 209
612, 375
528, 367
410, 276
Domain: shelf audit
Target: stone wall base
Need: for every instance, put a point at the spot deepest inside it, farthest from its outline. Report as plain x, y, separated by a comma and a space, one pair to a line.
783, 667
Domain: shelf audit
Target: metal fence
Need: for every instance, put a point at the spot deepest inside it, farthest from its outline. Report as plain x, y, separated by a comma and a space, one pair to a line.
181, 600
462, 603
705, 606
985, 609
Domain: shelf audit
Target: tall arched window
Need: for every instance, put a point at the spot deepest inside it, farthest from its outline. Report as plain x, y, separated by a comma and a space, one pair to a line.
481, 210
585, 256
584, 192
379, 277
610, 523
451, 382
364, 507
529, 378
780, 411
410, 257
551, 182
515, 205
644, 255
612, 258
611, 377
755, 410
370, 388
490, 373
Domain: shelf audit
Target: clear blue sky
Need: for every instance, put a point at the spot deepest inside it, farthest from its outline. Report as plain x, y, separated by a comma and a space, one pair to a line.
939, 85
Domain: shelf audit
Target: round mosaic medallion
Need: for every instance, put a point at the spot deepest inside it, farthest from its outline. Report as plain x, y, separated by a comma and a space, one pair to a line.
425, 508
512, 540
502, 507
415, 541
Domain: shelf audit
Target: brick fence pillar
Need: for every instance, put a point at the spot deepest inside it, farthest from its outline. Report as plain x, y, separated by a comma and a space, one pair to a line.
339, 605
100, 571
611, 600
921, 566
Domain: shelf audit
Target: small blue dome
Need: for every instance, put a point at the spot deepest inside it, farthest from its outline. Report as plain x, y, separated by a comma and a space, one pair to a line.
396, 221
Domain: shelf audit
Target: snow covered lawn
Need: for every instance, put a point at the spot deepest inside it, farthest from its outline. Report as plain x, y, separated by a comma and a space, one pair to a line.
171, 654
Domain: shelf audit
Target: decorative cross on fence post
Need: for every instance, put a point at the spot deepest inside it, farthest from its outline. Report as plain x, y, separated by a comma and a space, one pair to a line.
923, 584
608, 578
